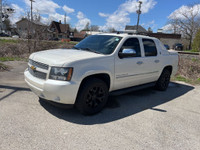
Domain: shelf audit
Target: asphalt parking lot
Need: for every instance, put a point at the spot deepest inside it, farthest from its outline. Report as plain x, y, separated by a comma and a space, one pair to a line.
145, 119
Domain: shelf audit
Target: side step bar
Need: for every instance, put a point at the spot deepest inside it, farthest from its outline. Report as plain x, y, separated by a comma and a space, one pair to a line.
132, 89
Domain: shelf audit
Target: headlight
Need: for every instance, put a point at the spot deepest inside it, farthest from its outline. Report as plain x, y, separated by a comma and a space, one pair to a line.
60, 73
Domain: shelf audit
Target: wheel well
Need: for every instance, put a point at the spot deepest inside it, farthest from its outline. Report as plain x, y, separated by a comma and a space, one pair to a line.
168, 68
103, 77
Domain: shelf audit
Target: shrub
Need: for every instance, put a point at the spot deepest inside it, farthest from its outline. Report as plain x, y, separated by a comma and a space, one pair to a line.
189, 68
23, 48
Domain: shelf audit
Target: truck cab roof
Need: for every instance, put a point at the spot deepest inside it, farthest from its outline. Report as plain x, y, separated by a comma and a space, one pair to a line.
127, 35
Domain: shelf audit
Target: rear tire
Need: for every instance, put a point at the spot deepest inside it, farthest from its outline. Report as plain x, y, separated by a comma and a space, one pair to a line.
163, 81
92, 96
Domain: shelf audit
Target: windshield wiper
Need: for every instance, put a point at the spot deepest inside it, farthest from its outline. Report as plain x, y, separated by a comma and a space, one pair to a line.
90, 50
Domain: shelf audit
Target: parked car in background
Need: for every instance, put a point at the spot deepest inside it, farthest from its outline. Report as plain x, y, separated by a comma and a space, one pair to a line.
15, 36
167, 46
4, 35
178, 46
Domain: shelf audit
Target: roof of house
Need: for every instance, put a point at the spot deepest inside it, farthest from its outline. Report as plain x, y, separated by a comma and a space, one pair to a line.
61, 28
35, 22
156, 35
165, 35
140, 28
64, 27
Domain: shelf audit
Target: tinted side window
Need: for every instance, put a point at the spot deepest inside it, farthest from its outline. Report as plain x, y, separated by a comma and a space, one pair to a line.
132, 43
149, 47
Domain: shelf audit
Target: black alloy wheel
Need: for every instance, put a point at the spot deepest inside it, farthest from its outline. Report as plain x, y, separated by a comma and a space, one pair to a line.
92, 96
95, 96
163, 81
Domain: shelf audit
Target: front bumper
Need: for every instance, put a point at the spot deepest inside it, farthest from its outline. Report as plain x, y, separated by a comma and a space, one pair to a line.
64, 92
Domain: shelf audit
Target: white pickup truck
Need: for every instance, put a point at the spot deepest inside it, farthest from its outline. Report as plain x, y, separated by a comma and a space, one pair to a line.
101, 64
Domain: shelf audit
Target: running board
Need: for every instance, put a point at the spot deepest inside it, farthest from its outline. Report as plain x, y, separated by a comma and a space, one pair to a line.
132, 89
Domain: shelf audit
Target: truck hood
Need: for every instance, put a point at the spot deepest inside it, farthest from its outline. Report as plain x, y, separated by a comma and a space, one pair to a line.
59, 57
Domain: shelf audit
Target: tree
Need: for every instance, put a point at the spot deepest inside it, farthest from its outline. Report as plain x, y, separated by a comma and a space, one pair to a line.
34, 31
185, 21
7, 24
150, 30
94, 28
111, 30
4, 21
87, 27
37, 18
75, 30
196, 42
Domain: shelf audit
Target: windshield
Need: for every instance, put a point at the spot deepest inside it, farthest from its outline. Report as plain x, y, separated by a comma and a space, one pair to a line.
104, 44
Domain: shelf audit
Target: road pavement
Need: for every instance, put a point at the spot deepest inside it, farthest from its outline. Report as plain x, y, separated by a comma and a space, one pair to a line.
141, 120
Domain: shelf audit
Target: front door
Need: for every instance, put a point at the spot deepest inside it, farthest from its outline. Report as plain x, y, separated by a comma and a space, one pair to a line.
128, 70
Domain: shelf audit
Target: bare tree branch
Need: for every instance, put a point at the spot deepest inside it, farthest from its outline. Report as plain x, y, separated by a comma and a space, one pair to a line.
186, 21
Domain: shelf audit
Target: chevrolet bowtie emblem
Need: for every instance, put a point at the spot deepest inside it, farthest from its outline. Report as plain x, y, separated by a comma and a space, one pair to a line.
33, 68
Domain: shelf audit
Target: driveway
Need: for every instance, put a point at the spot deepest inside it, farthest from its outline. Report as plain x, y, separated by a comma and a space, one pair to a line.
145, 119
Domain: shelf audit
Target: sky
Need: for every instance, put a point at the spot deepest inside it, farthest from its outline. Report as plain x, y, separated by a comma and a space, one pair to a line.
104, 13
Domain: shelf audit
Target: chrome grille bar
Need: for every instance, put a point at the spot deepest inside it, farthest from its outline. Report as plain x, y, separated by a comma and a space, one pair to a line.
37, 74
38, 64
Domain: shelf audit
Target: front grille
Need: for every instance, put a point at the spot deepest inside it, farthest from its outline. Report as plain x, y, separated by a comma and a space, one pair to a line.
37, 74
38, 64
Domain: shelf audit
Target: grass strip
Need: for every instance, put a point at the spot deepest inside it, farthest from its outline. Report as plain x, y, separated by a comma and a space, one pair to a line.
3, 59
186, 80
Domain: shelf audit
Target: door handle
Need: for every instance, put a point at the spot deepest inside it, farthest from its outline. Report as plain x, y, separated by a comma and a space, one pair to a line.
157, 61
140, 62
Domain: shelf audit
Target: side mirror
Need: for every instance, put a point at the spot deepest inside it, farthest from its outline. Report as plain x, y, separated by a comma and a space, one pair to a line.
127, 53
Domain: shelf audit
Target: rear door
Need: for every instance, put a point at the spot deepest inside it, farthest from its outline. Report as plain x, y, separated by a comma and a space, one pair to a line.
151, 60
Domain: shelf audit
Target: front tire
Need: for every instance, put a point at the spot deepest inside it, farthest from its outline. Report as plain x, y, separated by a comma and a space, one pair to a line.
92, 96
163, 81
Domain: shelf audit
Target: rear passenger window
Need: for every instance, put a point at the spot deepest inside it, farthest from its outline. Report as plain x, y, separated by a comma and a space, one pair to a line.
132, 43
149, 47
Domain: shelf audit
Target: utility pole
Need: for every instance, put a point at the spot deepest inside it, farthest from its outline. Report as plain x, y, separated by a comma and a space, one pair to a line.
32, 9
139, 13
65, 22
1, 16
